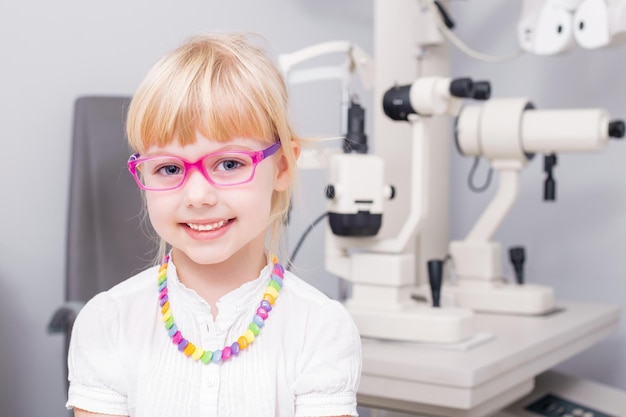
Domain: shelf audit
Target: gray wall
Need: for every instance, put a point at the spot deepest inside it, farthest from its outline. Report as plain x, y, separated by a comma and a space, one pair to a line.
53, 52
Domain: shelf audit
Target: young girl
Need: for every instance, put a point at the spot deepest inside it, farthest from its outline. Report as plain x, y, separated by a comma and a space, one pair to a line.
219, 328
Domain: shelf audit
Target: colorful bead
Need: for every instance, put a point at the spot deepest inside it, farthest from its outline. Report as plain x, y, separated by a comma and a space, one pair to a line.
167, 315
271, 291
189, 349
262, 313
268, 297
258, 321
206, 357
197, 354
182, 344
273, 284
226, 353
254, 328
249, 336
278, 280
169, 323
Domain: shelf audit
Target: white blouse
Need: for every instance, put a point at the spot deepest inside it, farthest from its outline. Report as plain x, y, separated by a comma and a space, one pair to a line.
306, 360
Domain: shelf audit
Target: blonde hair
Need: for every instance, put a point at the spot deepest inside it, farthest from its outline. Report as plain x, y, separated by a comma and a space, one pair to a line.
221, 86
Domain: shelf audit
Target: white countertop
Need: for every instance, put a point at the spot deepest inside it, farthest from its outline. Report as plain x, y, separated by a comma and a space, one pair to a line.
458, 381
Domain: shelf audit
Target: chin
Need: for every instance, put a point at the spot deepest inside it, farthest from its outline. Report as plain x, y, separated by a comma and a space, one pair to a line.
203, 256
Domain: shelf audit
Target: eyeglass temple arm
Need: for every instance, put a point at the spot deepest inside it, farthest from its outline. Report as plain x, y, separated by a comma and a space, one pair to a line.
271, 150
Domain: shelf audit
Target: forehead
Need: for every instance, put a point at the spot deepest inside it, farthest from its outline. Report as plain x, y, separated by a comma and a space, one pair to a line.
203, 145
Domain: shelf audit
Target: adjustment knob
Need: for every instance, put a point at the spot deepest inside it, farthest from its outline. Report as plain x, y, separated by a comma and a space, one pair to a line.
482, 90
330, 192
617, 129
462, 87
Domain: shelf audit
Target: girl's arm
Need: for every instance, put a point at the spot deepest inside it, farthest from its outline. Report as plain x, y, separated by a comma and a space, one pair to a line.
82, 413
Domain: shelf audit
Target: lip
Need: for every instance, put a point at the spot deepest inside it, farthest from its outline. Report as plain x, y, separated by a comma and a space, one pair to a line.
207, 234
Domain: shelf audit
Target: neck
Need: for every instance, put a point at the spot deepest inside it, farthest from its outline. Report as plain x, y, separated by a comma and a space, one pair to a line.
212, 281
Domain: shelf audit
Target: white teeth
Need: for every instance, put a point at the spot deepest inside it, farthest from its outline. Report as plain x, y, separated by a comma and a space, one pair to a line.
206, 227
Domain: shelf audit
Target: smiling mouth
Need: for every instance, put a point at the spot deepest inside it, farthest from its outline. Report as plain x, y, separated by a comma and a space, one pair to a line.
207, 227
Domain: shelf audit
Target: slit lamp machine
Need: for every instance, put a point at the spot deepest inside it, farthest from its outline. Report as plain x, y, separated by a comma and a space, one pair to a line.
388, 208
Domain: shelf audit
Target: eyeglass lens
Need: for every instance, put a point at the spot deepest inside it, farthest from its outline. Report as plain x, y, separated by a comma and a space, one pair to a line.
170, 172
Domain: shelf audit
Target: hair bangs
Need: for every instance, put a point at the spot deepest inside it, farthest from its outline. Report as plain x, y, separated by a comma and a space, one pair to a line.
163, 110
233, 109
219, 102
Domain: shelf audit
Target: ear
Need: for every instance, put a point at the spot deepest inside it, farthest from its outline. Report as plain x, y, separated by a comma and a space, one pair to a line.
284, 171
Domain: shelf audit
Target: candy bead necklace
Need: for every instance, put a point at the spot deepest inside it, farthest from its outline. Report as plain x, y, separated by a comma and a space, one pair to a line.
245, 340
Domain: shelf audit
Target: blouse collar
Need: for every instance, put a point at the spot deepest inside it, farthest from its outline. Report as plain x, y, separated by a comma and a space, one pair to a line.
232, 302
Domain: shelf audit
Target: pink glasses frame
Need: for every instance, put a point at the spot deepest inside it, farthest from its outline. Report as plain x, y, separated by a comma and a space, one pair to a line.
257, 157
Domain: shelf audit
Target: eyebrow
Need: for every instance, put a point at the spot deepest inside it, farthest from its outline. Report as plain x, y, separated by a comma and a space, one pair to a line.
227, 148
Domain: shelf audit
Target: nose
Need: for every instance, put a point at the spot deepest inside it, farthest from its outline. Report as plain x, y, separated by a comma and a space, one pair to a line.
198, 191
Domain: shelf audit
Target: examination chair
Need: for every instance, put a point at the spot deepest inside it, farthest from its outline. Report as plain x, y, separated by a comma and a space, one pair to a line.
107, 238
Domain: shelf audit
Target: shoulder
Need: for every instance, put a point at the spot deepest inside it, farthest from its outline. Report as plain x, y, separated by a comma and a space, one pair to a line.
136, 284
135, 293
103, 336
305, 298
104, 341
140, 285
303, 292
321, 315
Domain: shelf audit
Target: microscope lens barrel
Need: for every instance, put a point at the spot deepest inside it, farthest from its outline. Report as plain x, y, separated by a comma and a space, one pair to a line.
578, 130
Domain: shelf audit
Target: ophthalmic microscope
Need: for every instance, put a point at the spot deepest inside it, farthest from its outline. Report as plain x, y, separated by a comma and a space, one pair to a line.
381, 273
509, 132
381, 270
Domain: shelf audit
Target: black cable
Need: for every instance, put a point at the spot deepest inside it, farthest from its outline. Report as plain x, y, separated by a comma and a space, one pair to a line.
304, 235
445, 16
470, 178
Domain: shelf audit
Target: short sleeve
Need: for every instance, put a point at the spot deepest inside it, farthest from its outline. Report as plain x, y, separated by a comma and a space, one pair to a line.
95, 372
330, 367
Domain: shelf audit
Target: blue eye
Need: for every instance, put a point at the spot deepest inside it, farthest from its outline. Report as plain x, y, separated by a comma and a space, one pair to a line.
228, 165
170, 170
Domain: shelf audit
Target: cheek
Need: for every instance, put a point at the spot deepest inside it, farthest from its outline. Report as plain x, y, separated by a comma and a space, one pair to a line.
158, 210
256, 199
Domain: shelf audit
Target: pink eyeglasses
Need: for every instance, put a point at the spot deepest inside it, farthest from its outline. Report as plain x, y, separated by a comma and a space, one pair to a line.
222, 169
